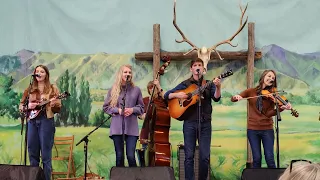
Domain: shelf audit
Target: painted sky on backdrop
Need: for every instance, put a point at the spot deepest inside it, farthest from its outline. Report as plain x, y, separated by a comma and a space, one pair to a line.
66, 26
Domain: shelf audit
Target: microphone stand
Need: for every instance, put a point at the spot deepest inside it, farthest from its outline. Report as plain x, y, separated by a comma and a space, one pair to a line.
26, 110
123, 105
199, 118
86, 140
277, 118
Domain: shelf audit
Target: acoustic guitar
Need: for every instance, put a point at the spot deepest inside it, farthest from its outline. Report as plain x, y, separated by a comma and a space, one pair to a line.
35, 112
178, 106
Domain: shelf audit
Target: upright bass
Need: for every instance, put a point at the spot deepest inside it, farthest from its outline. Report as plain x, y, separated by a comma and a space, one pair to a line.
157, 125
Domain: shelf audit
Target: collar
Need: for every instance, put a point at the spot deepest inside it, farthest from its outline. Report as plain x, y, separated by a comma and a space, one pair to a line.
192, 80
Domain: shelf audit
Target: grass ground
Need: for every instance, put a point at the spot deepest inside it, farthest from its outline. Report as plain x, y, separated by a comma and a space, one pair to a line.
299, 138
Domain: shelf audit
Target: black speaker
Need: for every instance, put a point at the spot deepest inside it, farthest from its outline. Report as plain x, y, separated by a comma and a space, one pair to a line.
142, 173
262, 173
181, 158
19, 172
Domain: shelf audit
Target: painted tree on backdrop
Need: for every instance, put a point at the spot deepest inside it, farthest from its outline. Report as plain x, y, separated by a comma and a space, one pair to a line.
76, 109
9, 63
9, 99
84, 102
63, 85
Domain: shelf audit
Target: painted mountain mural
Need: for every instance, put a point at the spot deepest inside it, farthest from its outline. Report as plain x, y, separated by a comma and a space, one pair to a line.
297, 73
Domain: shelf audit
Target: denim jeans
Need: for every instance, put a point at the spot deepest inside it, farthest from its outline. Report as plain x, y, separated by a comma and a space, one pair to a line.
267, 138
131, 142
190, 135
40, 139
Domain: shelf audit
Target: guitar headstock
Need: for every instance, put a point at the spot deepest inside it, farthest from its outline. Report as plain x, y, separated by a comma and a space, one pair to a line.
226, 74
294, 113
63, 95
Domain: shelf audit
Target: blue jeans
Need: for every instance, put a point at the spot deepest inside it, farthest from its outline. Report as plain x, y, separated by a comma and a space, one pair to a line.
190, 135
267, 138
131, 142
41, 138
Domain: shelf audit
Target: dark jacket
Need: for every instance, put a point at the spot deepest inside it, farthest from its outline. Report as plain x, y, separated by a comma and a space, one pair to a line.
206, 108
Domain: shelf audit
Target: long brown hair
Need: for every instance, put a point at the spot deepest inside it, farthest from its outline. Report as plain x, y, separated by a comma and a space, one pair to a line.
261, 80
47, 84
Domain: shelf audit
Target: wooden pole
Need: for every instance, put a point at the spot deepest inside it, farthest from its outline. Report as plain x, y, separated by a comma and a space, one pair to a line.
250, 79
156, 49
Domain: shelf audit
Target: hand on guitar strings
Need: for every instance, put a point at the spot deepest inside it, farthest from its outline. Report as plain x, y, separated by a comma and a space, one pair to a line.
32, 105
181, 95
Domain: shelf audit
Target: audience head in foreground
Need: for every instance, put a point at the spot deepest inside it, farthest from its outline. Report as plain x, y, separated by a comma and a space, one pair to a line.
301, 170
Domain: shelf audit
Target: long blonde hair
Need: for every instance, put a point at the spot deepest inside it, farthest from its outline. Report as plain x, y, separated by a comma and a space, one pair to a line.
303, 171
116, 87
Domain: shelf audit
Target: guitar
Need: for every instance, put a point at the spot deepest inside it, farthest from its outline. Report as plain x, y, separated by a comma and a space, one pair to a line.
178, 106
35, 112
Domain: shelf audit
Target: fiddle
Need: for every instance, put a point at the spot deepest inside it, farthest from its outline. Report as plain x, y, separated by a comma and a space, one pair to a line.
276, 98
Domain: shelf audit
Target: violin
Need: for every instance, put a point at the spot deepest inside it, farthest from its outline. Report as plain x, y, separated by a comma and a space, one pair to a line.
276, 98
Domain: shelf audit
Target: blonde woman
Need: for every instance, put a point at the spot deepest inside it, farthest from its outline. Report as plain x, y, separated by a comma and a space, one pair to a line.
133, 108
301, 169
41, 129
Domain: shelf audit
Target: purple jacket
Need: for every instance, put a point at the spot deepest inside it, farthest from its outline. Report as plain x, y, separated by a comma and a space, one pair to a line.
133, 100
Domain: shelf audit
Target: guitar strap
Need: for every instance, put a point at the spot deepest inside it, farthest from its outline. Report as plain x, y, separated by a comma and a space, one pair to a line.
48, 95
203, 82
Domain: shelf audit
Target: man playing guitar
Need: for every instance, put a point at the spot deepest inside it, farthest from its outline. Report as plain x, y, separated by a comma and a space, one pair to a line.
190, 117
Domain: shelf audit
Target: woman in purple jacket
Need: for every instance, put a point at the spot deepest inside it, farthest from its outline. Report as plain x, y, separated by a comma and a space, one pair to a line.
123, 86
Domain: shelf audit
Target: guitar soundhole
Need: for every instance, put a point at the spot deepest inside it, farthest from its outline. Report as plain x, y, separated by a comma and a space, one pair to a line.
186, 102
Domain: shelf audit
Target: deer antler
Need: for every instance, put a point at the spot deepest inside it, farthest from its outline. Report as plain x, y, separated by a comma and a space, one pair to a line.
228, 41
184, 39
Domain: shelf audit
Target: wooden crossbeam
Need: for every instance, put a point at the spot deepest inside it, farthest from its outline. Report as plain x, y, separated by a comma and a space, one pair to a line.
178, 56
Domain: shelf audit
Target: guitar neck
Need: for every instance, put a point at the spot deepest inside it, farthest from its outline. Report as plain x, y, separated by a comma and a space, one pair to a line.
208, 84
201, 88
44, 103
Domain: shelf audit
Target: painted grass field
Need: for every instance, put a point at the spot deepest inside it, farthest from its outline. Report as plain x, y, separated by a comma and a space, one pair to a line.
299, 138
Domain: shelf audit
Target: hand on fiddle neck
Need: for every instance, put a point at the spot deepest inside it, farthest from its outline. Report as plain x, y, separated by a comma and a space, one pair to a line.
287, 106
237, 97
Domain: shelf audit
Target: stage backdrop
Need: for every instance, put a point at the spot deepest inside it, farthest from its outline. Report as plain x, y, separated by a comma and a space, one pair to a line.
84, 44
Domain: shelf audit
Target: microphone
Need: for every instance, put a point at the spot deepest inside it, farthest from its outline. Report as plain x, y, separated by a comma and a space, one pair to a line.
198, 70
128, 77
36, 75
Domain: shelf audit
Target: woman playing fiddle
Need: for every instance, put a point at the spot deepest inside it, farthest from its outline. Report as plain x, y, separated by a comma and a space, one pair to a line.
260, 124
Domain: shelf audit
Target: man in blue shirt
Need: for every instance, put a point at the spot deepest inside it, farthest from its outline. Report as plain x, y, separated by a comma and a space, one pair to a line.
191, 119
